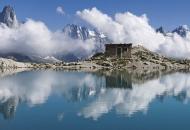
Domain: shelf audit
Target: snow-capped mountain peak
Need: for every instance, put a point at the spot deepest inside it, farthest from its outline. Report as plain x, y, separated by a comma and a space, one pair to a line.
51, 59
77, 32
182, 30
8, 16
83, 33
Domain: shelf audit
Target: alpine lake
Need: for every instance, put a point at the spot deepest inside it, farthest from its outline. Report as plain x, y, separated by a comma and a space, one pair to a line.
103, 100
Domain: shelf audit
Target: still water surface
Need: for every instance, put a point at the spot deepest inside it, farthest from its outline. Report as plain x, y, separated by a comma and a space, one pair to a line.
50, 100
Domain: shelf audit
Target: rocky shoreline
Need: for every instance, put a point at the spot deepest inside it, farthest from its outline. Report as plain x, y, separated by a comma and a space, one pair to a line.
141, 60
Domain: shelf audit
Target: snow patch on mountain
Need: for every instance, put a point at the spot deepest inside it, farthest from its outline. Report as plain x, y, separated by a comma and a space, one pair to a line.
51, 59
84, 33
182, 31
8, 17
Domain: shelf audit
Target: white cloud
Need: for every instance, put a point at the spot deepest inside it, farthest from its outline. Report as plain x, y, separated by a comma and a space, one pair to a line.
41, 85
34, 38
127, 102
127, 27
103, 23
60, 10
37, 92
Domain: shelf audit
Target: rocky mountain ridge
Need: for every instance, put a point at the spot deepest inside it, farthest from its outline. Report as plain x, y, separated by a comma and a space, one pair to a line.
142, 60
182, 31
8, 17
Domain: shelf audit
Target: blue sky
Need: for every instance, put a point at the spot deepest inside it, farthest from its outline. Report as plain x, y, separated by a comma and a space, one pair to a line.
168, 13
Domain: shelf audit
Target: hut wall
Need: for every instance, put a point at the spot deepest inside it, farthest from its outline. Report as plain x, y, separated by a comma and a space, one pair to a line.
111, 50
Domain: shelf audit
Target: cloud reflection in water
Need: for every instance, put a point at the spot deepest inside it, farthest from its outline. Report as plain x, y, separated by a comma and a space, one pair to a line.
36, 87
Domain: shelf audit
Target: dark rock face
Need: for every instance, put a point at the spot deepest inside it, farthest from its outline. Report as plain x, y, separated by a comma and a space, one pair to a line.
161, 30
67, 57
83, 33
8, 16
182, 30
76, 32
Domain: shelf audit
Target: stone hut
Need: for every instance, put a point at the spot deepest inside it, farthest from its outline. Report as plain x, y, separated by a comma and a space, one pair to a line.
118, 50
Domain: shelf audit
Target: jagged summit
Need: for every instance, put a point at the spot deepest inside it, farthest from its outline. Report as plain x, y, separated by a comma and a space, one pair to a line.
83, 33
7, 8
182, 30
77, 32
161, 30
8, 16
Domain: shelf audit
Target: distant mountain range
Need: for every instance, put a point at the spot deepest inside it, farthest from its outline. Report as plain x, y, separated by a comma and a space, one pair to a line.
8, 17
181, 31
84, 33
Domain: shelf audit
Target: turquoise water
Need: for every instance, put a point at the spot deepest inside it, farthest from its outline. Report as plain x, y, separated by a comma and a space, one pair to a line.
39, 100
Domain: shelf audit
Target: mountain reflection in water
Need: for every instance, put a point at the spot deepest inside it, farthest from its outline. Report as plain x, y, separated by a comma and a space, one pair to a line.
120, 91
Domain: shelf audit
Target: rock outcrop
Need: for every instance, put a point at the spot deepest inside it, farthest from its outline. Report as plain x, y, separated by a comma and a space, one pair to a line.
11, 64
8, 17
142, 59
